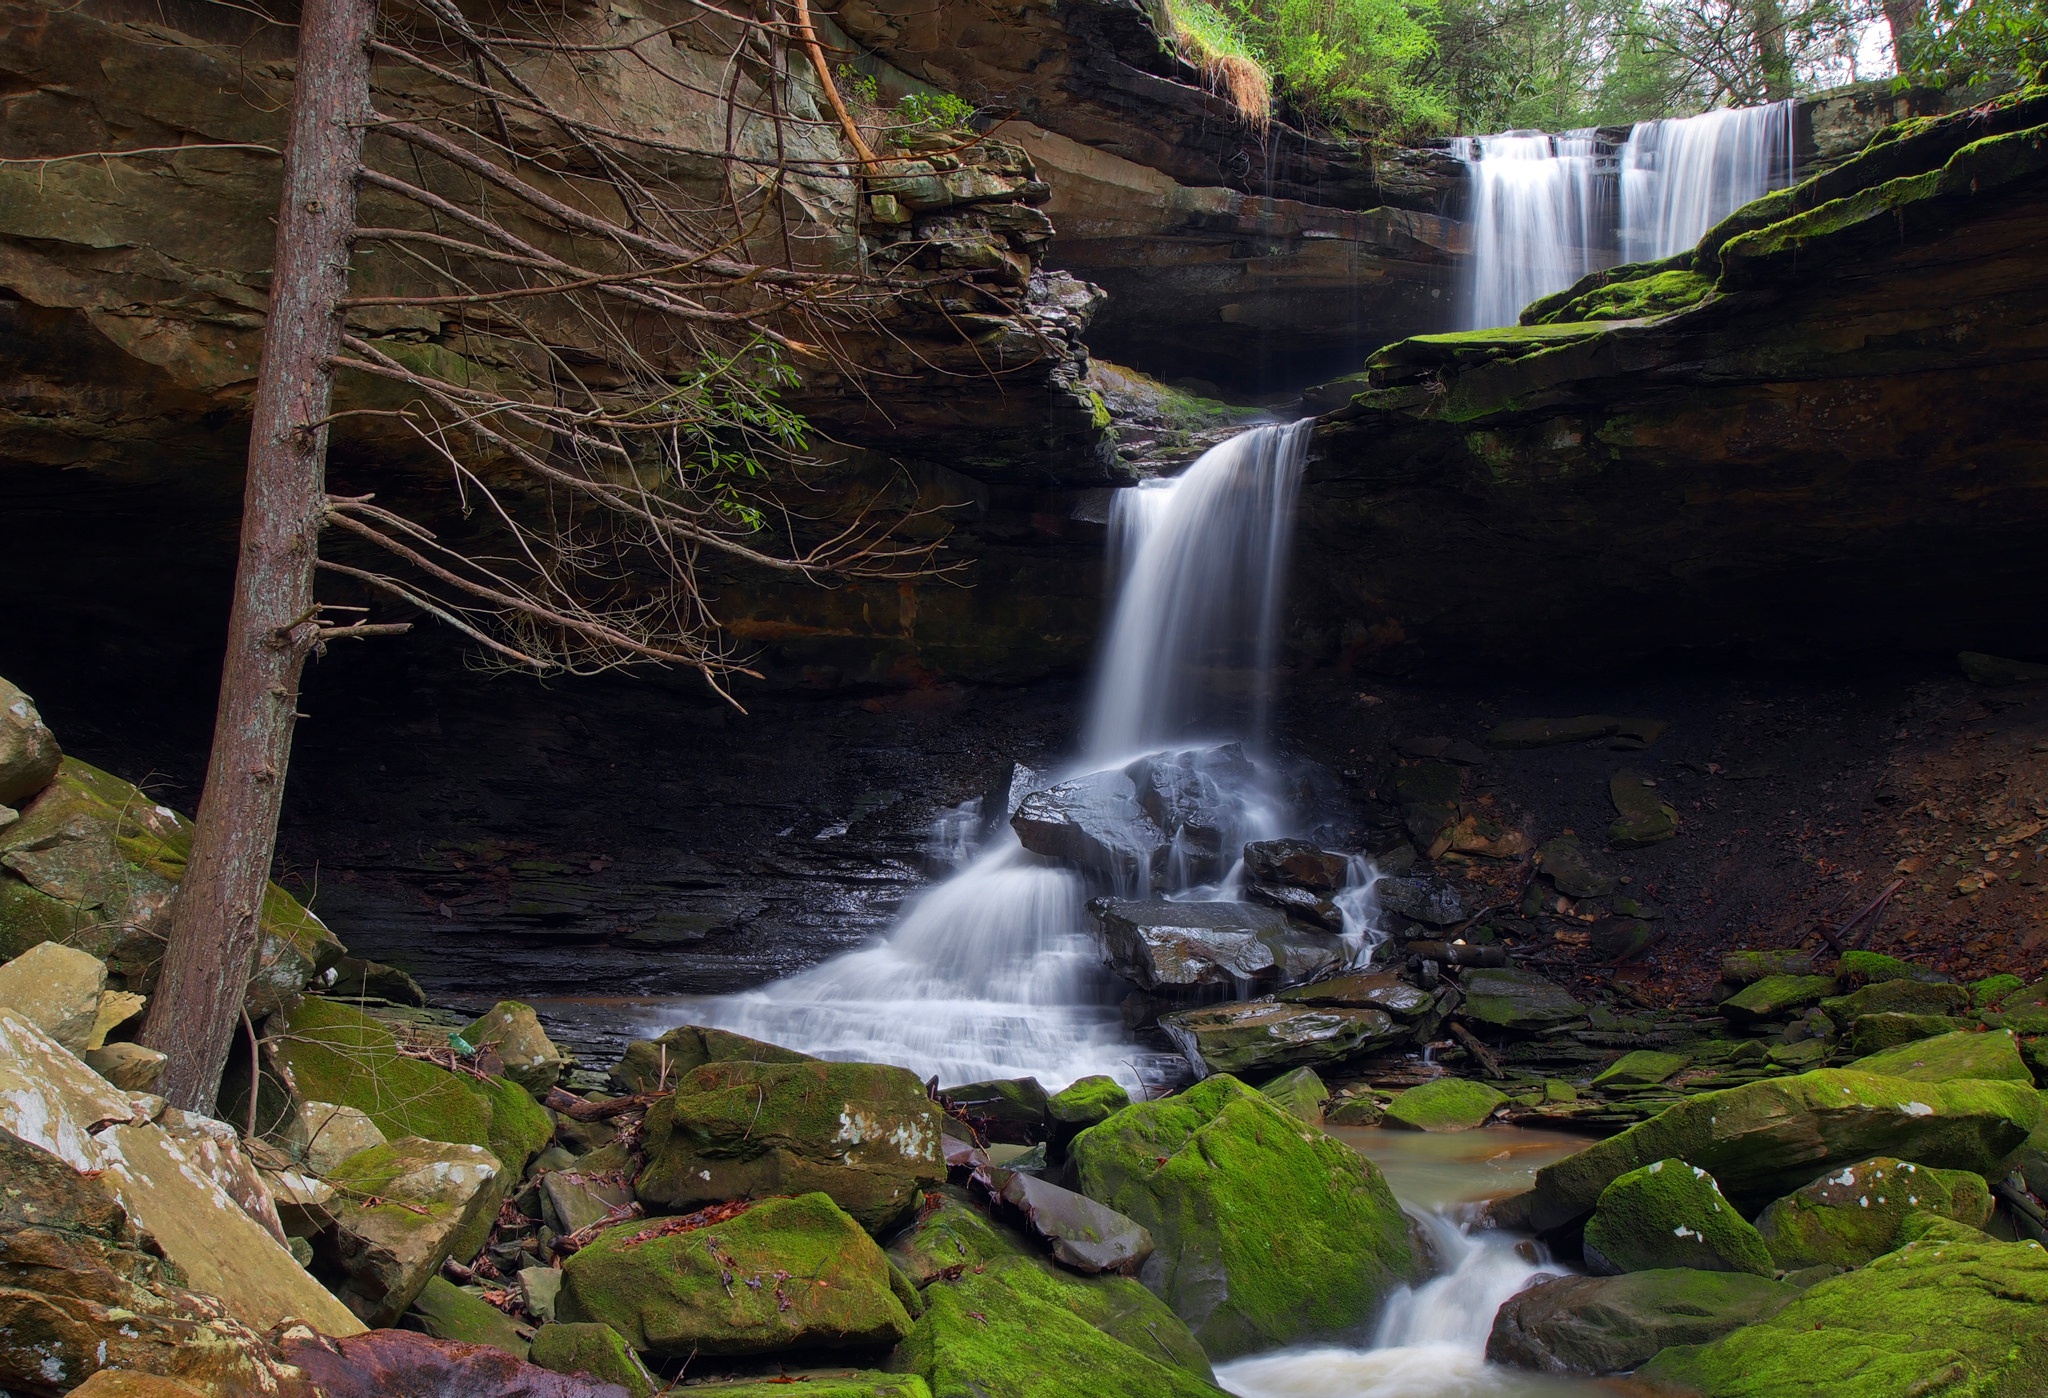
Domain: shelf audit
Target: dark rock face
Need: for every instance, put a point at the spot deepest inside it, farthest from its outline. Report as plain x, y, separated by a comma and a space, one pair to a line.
1609, 1325
401, 1364
1776, 466
1265, 1036
1183, 947
1169, 816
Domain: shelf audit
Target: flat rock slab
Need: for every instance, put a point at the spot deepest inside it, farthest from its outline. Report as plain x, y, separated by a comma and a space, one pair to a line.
1518, 1000
57, 988
1989, 1057
1437, 902
1448, 1104
1262, 1037
1296, 864
1086, 1236
1161, 946
1375, 990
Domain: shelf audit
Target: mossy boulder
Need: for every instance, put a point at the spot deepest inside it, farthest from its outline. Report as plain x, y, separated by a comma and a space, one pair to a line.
657, 1065
1264, 1036
1007, 1333
952, 1235
864, 1133
94, 862
782, 1273
1746, 967
1519, 1001
1775, 997
1565, 862
1671, 1214
1266, 1230
1989, 991
447, 1312
596, 1350
400, 1211
513, 1032
1944, 1317
29, 755
331, 1052
1012, 1110
1861, 968
1641, 1068
1085, 1102
1299, 1093
1763, 1139
836, 1383
1847, 1218
1447, 1104
1991, 1057
1870, 1034
1609, 1325
1902, 997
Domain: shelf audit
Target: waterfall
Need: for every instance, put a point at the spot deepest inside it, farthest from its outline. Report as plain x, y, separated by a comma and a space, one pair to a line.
1546, 210
992, 973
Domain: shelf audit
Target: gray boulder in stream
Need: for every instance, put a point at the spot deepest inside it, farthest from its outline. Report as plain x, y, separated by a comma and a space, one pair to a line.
1264, 1037
1178, 947
1126, 825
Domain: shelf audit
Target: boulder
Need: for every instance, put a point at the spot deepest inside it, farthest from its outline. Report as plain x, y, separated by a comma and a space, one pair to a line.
1872, 1034
1447, 1104
57, 988
1747, 967
29, 755
1847, 1218
1992, 1057
1518, 1001
1861, 968
656, 1065
1438, 902
1671, 1214
864, 1133
1642, 818
400, 1211
1940, 1316
1299, 1093
593, 1351
51, 1099
776, 1274
1641, 1068
1183, 947
1610, 1325
830, 1383
539, 1289
1009, 1331
447, 1312
1775, 997
320, 1135
1086, 1101
952, 1235
93, 862
1302, 904
1897, 997
1084, 1235
1296, 864
1201, 800
404, 1364
513, 1031
1095, 824
572, 1201
357, 979
1266, 1035
1565, 863
1363, 990
117, 1008
1014, 1110
1266, 1231
130, 1067
1761, 1139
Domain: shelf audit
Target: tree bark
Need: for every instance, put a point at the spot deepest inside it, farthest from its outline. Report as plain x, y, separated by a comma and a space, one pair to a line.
215, 926
1903, 18
1774, 68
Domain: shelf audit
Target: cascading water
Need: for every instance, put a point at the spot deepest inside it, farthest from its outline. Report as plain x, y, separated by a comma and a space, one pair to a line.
1547, 209
992, 973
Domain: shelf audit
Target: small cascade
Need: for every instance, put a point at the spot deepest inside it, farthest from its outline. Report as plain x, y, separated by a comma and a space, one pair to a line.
1548, 209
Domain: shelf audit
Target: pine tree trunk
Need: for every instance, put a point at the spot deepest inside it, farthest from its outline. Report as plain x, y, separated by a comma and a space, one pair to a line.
215, 924
1775, 69
1903, 18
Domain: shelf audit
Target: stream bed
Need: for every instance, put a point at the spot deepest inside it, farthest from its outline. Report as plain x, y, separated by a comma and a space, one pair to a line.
1431, 1340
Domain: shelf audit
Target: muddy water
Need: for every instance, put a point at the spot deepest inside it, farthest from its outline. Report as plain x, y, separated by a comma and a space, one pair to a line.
1431, 1341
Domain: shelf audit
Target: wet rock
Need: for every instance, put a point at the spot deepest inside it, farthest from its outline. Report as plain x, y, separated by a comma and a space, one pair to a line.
1095, 824
1437, 902
1014, 1110
320, 1135
657, 1065
57, 988
1299, 1093
1085, 1236
128, 1066
1897, 997
1179, 947
1487, 838
1739, 968
1199, 799
1518, 1001
401, 1210
1775, 997
1857, 969
1264, 1036
403, 1364
1992, 1056
1301, 903
1764, 1138
1085, 1102
513, 1032
1936, 1313
863, 1133
1642, 817
1426, 796
1447, 1104
780, 1273
447, 1312
1458, 953
1671, 1214
1266, 1232
1641, 1068
595, 1352
1610, 1325
1850, 1217
1296, 864
1377, 990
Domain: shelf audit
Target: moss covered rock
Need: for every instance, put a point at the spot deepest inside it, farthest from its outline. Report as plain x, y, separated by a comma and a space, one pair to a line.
835, 1383
1083, 1103
1447, 1104
1847, 1218
1299, 1093
447, 1312
1671, 1214
1264, 1036
1941, 1318
1993, 1056
596, 1350
400, 1211
1266, 1230
780, 1274
513, 1032
1519, 1001
1869, 1034
657, 1065
1012, 1332
1774, 997
1861, 968
952, 1235
1641, 1068
1904, 997
864, 1133
1609, 1325
1763, 1139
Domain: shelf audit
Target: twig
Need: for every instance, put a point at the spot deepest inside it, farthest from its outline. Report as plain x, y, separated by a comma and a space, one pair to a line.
1477, 1049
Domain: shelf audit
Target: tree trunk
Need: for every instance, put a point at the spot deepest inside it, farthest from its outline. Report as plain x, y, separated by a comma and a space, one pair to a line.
1774, 68
1904, 18
215, 924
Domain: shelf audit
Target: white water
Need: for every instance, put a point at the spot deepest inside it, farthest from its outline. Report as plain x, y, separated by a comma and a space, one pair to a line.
992, 974
1546, 210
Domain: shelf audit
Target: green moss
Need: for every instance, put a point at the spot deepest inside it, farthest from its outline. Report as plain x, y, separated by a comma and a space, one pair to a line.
447, 1312
1267, 1231
1299, 1093
1669, 1214
1859, 968
1847, 1218
1641, 1068
1774, 997
1897, 997
1993, 1056
1561, 306
786, 1272
519, 1128
1659, 293
996, 1335
1117, 1306
1088, 1101
596, 1350
1448, 1104
1873, 1034
657, 1065
1937, 1319
1992, 989
950, 1235
838, 1383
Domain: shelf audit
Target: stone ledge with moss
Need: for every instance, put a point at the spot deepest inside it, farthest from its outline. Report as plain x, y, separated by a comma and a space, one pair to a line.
1849, 1217
1671, 1214
1448, 1104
